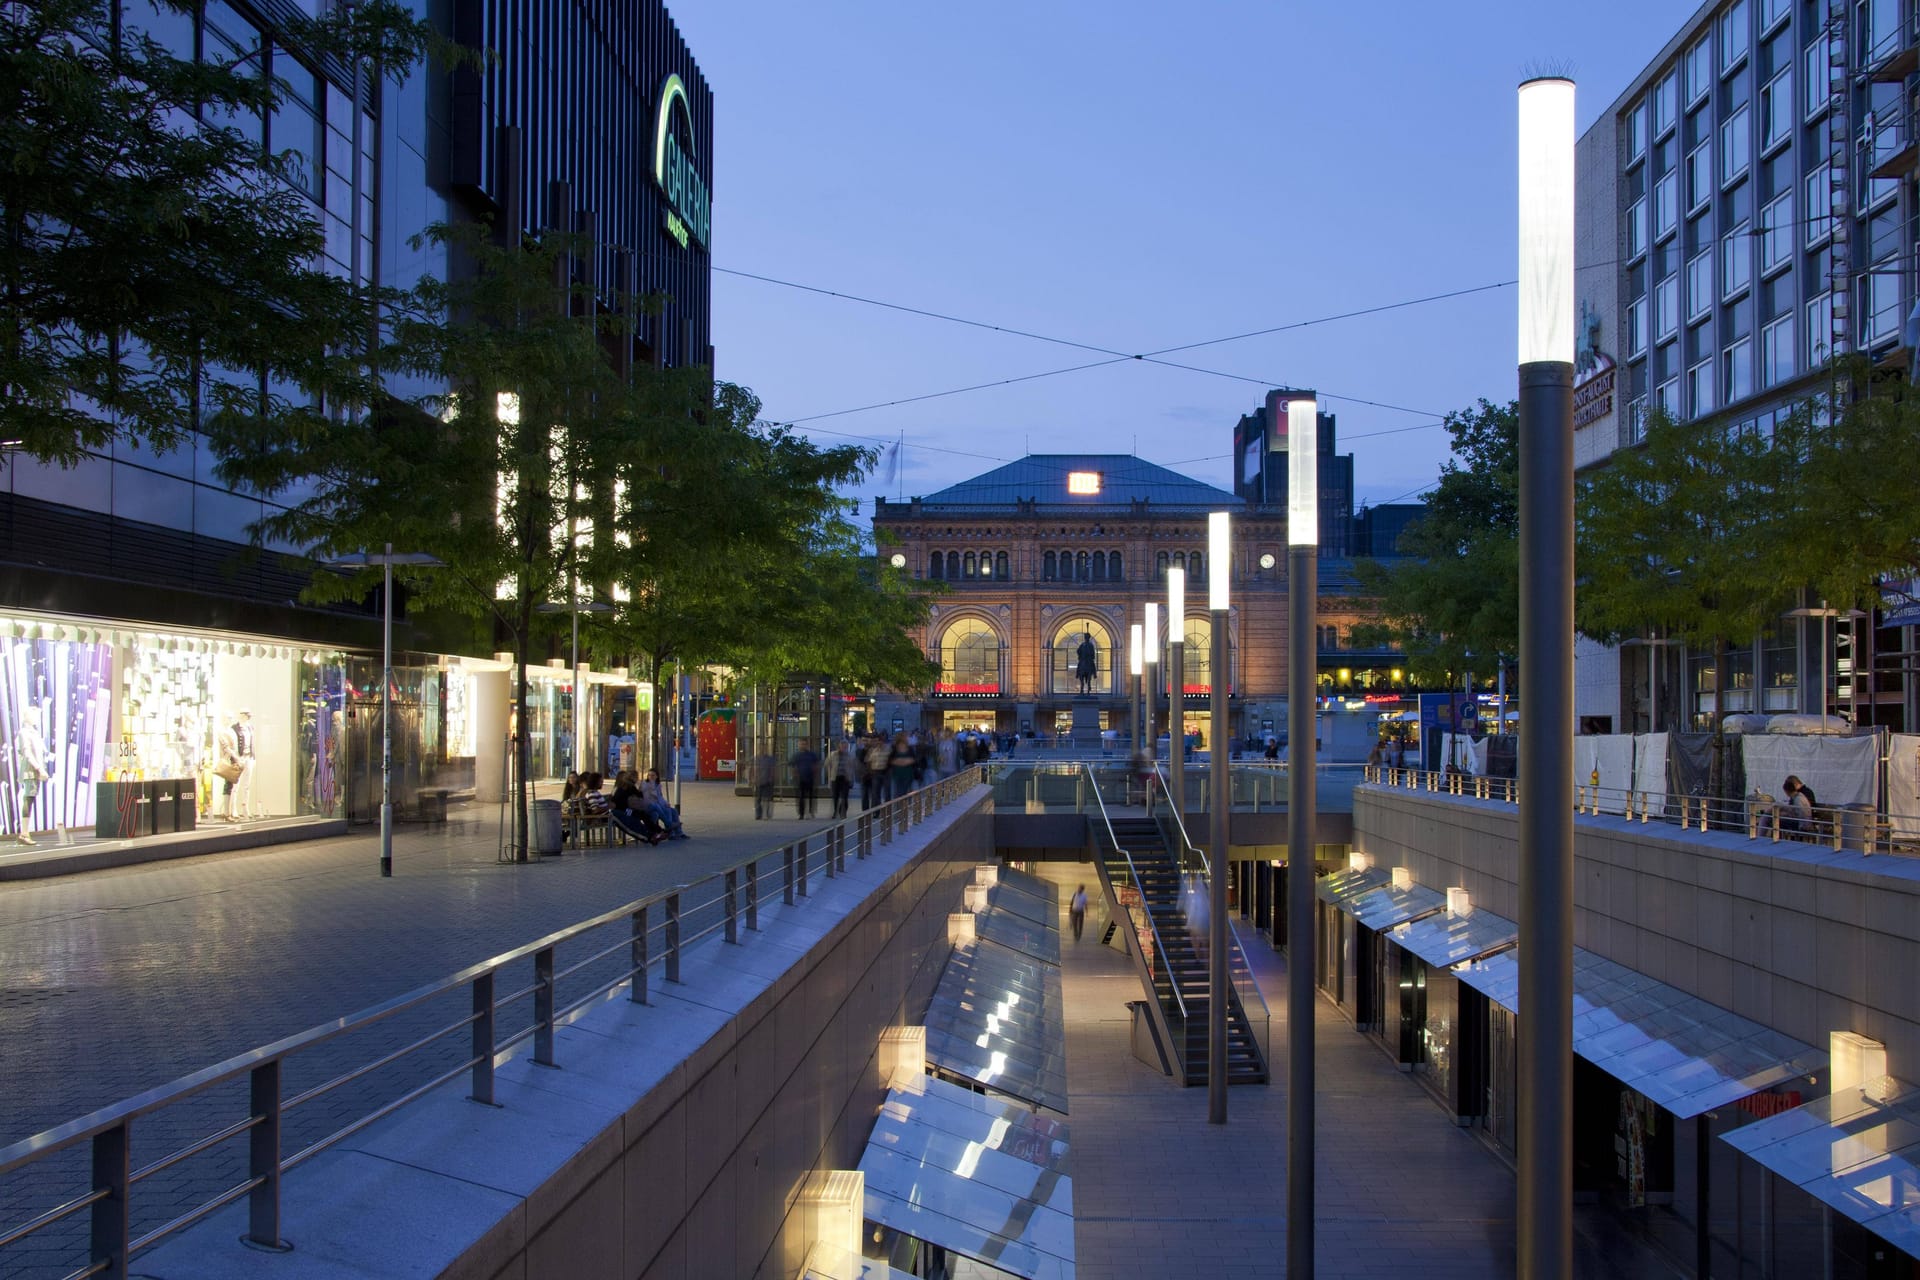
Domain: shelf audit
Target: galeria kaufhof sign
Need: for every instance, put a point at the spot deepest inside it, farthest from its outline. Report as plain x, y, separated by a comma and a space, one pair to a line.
689, 211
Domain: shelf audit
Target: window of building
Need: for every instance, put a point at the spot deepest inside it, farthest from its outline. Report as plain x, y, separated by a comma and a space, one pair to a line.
1160, 565
1736, 261
1882, 132
1180, 560
1699, 176
1880, 303
1099, 566
1777, 234
1666, 398
1777, 351
937, 566
1819, 220
970, 658
1666, 308
1082, 568
1195, 570
1700, 284
1666, 97
1737, 365
1636, 327
1772, 13
1049, 567
1779, 667
1636, 228
1000, 567
953, 566
1196, 667
967, 566
1066, 654
1700, 389
1666, 205
1734, 35
1736, 143
1114, 568
1637, 134
1777, 114
1699, 69
1817, 69
1880, 29
1819, 330
1633, 423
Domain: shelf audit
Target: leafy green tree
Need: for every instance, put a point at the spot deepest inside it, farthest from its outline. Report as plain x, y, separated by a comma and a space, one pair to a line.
1858, 485
154, 259
1453, 603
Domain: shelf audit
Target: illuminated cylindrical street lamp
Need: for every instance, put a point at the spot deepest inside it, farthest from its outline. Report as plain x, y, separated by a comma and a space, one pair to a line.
1176, 690
1545, 1135
1303, 584
1150, 690
1220, 796
1135, 663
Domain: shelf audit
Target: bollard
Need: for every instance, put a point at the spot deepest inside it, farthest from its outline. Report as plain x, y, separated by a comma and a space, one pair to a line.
480, 1047
673, 937
637, 957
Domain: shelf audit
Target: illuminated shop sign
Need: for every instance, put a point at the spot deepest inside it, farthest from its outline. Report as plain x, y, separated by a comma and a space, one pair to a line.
989, 690
689, 211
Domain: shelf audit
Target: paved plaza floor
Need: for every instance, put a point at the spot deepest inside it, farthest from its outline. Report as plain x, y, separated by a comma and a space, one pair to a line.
1158, 1191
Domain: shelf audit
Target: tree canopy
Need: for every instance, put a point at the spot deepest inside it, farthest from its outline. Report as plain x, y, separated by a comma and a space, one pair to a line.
162, 248
1453, 604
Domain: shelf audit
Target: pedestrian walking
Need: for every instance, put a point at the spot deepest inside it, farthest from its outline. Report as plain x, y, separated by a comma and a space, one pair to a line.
806, 772
1077, 912
843, 766
900, 766
763, 784
873, 784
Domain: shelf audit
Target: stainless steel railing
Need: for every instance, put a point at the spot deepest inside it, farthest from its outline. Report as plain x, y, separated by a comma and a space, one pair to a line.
652, 931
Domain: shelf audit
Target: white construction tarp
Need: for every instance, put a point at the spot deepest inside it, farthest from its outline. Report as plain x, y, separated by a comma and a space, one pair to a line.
1903, 785
1650, 769
1841, 771
1609, 757
1464, 754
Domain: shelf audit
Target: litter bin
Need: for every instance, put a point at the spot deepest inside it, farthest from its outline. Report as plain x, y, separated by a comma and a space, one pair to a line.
546, 828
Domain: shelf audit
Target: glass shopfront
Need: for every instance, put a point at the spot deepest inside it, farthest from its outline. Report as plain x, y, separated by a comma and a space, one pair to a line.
112, 730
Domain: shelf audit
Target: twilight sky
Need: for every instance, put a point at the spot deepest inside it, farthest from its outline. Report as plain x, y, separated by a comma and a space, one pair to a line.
1135, 177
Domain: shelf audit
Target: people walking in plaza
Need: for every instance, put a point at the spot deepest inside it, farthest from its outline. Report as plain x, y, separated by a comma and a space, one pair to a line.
843, 767
873, 783
947, 754
1077, 911
900, 766
763, 784
806, 773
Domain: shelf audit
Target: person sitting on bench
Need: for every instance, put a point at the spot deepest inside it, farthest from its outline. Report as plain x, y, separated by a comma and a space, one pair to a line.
1796, 811
655, 798
630, 811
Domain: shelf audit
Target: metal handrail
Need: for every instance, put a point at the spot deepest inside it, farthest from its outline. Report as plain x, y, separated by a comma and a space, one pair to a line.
1139, 887
112, 1245
1235, 952
1756, 817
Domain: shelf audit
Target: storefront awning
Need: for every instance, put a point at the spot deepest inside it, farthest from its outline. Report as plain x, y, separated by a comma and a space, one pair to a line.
973, 1175
1857, 1150
1343, 886
995, 1019
1446, 939
1686, 1054
1384, 906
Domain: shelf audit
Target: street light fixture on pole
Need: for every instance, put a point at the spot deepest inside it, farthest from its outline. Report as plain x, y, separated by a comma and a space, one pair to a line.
1176, 690
577, 608
1150, 690
1220, 792
1546, 144
1134, 664
386, 560
1303, 584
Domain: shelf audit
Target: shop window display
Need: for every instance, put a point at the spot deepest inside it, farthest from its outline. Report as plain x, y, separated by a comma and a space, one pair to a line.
54, 718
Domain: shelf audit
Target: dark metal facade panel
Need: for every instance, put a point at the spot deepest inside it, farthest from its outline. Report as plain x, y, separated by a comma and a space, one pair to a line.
581, 80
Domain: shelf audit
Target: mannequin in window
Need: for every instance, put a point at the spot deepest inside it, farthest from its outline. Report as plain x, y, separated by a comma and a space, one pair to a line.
245, 743
30, 768
1085, 666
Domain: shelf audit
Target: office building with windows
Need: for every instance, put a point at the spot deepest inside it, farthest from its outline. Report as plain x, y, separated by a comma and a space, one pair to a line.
1746, 213
138, 613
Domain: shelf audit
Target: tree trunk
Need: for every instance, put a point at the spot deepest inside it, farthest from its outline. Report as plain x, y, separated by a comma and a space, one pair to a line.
661, 733
522, 756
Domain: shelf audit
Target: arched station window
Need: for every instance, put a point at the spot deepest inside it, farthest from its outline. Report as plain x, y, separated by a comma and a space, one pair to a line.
953, 566
937, 565
1000, 566
1048, 568
1066, 655
969, 658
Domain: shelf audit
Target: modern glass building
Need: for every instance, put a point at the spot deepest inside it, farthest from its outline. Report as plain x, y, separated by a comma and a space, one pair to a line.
1746, 213
137, 612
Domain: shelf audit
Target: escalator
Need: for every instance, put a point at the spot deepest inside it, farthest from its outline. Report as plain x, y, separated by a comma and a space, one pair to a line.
1144, 885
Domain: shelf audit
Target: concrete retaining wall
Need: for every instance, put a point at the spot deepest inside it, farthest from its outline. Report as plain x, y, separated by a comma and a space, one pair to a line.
1794, 936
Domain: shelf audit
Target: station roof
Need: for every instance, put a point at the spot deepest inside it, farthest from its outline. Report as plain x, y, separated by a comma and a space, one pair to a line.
1042, 479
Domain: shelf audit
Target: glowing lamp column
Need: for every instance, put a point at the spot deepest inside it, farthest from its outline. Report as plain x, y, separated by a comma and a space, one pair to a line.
1134, 665
1176, 692
1220, 803
1546, 139
1150, 692
1303, 582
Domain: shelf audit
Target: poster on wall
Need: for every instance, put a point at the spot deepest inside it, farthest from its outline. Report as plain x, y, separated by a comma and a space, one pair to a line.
54, 701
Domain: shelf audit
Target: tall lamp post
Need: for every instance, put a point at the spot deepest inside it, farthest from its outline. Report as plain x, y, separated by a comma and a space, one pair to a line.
1176, 692
386, 560
1134, 664
1150, 691
1303, 584
1546, 138
1220, 793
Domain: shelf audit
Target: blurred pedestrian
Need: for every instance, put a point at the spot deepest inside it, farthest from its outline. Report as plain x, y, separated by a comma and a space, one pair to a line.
1077, 912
